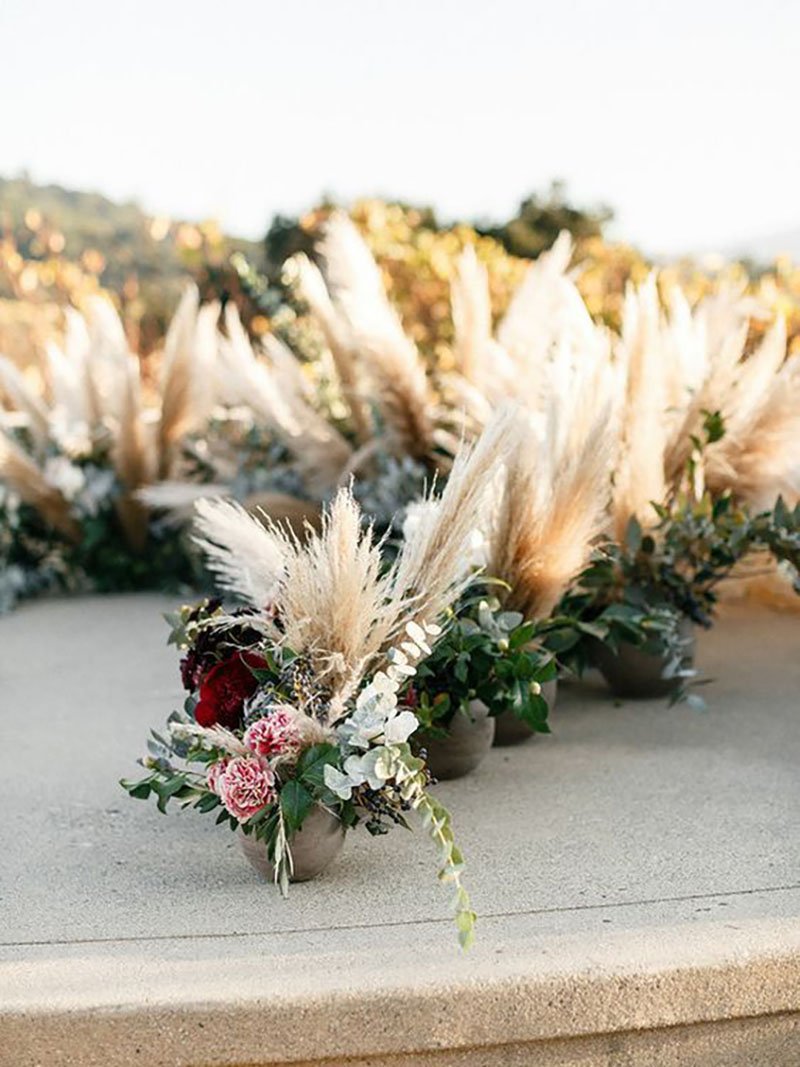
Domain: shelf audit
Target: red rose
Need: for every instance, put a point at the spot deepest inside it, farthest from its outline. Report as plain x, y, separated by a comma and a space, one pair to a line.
225, 688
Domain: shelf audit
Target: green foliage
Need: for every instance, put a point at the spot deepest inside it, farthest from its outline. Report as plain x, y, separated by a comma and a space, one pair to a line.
410, 775
541, 218
137, 260
638, 592
489, 655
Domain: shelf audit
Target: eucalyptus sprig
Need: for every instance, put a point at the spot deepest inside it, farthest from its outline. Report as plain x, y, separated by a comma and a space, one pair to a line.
409, 773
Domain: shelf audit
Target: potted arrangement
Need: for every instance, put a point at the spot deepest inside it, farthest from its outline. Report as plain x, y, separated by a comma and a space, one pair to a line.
704, 435
72, 463
638, 601
544, 518
253, 745
297, 706
485, 670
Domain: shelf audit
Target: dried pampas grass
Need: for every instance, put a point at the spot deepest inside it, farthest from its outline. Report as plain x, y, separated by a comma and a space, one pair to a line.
333, 601
187, 376
386, 356
330, 597
640, 479
274, 393
247, 558
338, 337
548, 514
21, 474
431, 571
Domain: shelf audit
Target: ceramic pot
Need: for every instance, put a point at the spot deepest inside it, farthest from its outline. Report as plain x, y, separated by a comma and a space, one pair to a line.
511, 730
468, 740
639, 673
318, 841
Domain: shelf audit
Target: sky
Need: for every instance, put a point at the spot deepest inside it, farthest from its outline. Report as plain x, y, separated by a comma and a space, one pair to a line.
681, 115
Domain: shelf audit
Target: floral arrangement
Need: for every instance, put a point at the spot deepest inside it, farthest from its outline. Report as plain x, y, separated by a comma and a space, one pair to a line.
696, 489
270, 750
299, 701
60, 528
74, 459
639, 590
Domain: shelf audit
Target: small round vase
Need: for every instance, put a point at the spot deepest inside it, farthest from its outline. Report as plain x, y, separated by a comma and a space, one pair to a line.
316, 844
511, 730
469, 738
638, 673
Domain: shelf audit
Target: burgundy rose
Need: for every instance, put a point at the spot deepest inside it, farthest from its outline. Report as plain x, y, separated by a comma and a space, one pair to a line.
210, 644
225, 688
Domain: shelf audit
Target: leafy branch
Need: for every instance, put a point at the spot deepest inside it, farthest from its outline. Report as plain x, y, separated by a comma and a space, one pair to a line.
436, 819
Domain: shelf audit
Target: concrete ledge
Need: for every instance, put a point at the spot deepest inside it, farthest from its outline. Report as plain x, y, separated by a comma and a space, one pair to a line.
253, 1003
636, 877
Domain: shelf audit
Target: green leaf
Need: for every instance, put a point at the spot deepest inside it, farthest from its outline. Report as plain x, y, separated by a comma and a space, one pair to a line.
207, 802
139, 790
296, 802
311, 765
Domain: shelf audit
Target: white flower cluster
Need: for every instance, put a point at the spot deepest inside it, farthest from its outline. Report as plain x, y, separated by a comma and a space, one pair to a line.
87, 488
370, 735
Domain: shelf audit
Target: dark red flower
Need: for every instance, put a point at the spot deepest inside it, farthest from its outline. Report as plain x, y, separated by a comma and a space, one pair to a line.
210, 644
225, 688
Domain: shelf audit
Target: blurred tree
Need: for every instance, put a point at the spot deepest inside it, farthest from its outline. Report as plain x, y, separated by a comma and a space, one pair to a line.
290, 234
541, 218
141, 260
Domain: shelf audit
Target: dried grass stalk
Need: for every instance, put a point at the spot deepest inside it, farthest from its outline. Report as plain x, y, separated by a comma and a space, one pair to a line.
339, 340
640, 480
187, 380
389, 358
24, 399
247, 558
432, 569
22, 475
548, 514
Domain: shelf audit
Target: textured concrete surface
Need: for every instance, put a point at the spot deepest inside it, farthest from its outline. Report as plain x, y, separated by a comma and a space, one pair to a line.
636, 875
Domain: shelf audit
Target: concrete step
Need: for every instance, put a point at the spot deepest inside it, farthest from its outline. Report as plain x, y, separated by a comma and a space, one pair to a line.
636, 875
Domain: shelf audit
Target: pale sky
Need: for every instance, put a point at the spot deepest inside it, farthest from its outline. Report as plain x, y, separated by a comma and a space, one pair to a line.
683, 114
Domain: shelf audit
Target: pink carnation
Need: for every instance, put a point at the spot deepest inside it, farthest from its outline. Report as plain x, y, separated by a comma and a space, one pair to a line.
275, 735
213, 773
245, 786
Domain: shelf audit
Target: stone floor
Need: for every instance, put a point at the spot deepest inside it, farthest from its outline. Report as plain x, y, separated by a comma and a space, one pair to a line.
636, 876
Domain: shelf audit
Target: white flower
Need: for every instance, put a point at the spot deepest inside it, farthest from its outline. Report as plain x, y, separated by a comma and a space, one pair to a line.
400, 727
376, 718
368, 721
373, 768
64, 476
338, 783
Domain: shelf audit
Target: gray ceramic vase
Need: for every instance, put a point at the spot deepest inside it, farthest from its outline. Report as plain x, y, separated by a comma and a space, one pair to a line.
635, 673
511, 730
316, 844
468, 740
